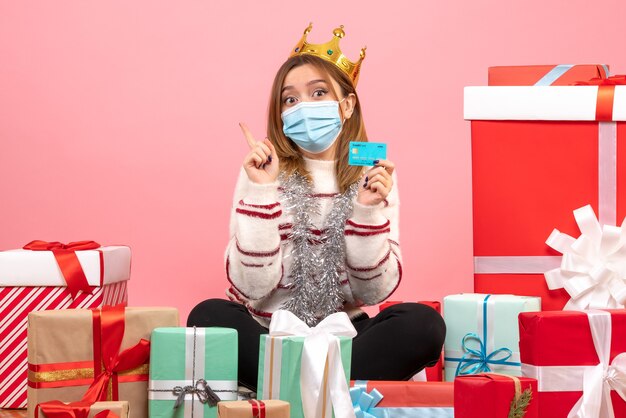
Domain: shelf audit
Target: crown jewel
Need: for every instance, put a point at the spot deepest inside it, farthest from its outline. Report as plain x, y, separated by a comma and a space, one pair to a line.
330, 52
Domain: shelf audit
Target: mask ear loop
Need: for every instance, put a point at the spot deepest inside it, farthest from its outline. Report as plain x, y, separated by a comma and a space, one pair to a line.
343, 118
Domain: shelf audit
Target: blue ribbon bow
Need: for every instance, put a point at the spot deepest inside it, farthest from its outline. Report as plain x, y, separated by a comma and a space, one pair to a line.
478, 361
365, 403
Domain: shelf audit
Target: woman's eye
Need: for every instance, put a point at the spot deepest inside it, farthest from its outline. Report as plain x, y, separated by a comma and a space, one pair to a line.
319, 93
289, 100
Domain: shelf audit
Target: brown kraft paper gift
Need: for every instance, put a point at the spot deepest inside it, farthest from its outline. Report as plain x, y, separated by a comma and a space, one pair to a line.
247, 409
61, 349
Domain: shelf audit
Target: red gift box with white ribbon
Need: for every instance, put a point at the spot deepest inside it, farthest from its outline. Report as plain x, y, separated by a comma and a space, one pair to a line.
538, 153
578, 359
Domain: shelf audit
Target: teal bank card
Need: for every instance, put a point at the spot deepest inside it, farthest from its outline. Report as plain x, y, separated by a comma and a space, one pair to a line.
364, 153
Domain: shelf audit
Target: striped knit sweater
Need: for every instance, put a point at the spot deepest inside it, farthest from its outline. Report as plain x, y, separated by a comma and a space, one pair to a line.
257, 257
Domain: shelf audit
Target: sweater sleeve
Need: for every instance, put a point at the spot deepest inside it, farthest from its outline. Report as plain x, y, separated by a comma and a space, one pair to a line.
253, 256
373, 258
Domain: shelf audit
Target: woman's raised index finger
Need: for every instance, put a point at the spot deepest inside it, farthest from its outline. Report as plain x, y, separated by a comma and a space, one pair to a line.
247, 134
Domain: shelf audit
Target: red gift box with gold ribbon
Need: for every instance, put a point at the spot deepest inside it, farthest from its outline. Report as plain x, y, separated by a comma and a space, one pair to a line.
51, 275
539, 153
92, 355
491, 395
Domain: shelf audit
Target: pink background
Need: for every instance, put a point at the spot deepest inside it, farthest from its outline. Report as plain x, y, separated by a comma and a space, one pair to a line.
118, 120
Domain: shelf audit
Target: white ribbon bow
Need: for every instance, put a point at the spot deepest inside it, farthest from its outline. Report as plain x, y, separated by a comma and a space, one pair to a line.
593, 267
599, 380
321, 358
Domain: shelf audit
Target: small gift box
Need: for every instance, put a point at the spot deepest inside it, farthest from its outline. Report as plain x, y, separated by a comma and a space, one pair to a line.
482, 335
433, 304
307, 367
46, 276
491, 395
579, 361
253, 409
191, 370
57, 409
544, 75
92, 354
389, 399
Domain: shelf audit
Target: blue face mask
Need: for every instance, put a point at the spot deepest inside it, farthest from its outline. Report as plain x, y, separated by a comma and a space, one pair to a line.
313, 126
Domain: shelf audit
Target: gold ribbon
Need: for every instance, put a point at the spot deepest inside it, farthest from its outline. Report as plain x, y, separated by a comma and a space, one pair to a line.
516, 382
54, 376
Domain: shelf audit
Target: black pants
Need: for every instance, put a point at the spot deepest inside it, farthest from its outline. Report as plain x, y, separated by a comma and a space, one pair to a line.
394, 345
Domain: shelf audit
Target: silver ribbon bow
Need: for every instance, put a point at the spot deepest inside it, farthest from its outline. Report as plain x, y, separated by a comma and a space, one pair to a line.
201, 389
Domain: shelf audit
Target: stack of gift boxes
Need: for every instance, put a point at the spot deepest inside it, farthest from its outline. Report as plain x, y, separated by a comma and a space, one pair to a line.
543, 336
547, 156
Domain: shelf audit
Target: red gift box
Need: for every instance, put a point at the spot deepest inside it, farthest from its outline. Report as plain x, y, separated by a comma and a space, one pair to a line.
538, 153
489, 395
433, 373
398, 398
544, 75
562, 352
436, 305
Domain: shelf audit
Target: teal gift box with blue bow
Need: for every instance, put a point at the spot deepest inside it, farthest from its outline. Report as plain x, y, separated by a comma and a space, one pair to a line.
191, 369
483, 333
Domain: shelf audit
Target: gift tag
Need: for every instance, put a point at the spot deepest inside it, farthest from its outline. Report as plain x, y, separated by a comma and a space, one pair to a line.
365, 153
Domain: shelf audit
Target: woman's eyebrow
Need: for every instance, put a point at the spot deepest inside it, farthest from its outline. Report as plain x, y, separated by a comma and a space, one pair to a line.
308, 84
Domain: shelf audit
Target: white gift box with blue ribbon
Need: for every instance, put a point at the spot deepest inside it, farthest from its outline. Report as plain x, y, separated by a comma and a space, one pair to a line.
483, 333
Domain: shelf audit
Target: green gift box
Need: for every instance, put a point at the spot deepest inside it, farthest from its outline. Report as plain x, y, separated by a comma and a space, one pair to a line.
188, 366
483, 333
280, 367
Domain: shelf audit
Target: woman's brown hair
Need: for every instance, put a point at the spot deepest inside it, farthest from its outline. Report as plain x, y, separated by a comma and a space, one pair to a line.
291, 159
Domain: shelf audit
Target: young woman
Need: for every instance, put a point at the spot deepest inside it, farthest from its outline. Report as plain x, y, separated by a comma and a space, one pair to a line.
314, 235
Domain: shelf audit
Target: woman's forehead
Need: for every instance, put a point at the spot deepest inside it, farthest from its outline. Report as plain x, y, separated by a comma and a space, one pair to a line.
302, 75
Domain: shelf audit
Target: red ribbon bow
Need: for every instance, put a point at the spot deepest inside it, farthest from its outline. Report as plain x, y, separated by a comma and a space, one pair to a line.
606, 93
108, 331
614, 80
258, 408
65, 255
58, 409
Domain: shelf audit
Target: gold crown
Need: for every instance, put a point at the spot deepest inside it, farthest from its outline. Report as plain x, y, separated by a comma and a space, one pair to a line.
330, 52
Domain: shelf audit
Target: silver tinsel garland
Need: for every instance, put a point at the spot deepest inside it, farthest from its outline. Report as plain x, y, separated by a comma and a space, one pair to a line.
315, 269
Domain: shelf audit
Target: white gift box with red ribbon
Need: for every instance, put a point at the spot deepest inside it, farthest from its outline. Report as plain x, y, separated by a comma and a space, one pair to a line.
33, 281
